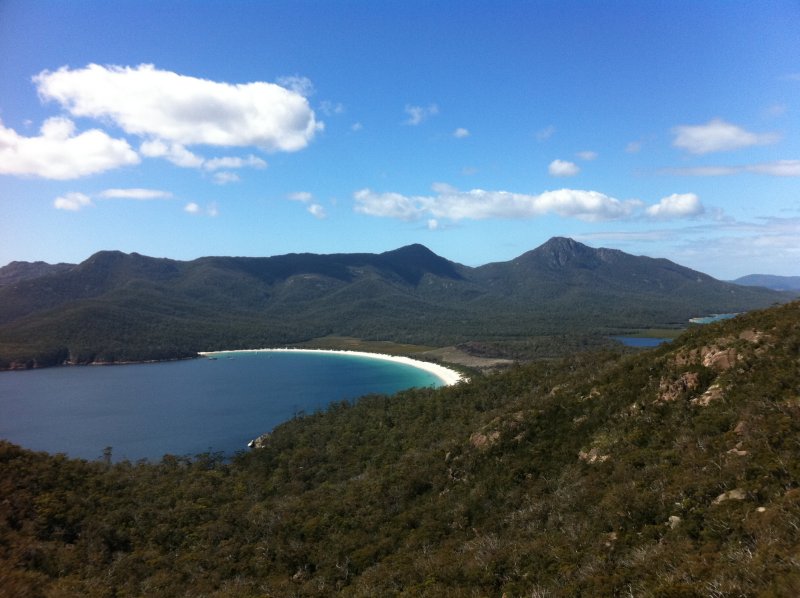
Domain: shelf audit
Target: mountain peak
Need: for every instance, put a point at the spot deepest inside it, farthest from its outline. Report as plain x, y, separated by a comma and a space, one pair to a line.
412, 262
559, 252
415, 250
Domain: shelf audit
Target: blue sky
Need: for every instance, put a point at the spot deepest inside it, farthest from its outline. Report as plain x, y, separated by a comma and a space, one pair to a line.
479, 129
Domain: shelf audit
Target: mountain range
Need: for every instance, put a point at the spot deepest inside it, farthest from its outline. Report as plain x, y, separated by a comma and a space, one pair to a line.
770, 281
129, 307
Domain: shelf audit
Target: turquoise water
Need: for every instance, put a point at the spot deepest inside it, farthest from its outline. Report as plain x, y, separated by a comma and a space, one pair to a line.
185, 407
712, 318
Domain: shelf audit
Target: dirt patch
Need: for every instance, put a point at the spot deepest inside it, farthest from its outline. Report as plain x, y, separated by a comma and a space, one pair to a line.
459, 357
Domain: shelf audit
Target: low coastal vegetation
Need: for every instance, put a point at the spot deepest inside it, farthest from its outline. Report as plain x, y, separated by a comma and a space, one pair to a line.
668, 472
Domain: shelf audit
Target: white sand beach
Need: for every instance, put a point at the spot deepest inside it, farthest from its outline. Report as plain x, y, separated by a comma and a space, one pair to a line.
446, 375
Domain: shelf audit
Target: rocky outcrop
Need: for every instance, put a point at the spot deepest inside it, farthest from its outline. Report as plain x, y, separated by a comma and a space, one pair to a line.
259, 442
713, 393
593, 456
735, 494
482, 441
670, 390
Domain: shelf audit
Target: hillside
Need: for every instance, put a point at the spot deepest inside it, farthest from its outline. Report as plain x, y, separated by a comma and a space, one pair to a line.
671, 472
129, 307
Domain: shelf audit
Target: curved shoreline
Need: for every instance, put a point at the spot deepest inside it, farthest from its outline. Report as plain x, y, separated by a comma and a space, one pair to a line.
447, 376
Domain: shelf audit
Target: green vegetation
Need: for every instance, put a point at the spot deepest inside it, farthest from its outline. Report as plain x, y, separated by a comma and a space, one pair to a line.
671, 472
558, 298
342, 343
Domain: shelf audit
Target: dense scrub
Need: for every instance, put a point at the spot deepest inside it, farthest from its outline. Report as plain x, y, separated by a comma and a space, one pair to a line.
672, 472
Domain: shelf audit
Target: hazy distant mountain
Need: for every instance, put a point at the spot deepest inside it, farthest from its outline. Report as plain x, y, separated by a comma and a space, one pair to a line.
117, 306
17, 271
769, 281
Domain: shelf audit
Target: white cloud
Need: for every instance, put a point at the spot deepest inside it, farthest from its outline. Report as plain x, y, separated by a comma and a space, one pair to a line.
478, 204
355, 127
139, 194
77, 201
180, 156
587, 155
785, 168
677, 205
58, 153
433, 224
329, 108
224, 177
718, 136
388, 205
303, 196
461, 133
563, 168
779, 168
195, 209
298, 84
174, 152
317, 211
546, 133
72, 202
250, 161
633, 147
417, 114
183, 110
703, 171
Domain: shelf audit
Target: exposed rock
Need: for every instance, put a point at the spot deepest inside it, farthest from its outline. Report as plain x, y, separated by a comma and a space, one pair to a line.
674, 521
741, 428
735, 494
713, 393
738, 452
259, 442
483, 441
670, 390
752, 336
593, 456
594, 393
719, 359
300, 575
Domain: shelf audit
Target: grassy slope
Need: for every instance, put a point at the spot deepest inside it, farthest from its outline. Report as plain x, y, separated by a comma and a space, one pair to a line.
597, 476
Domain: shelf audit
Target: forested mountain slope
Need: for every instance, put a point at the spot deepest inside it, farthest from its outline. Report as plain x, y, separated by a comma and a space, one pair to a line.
671, 472
129, 307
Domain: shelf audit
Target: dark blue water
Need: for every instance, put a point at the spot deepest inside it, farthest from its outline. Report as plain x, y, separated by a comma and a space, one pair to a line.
634, 341
185, 407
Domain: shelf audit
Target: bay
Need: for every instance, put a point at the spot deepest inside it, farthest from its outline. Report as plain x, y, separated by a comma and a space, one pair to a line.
640, 342
145, 411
